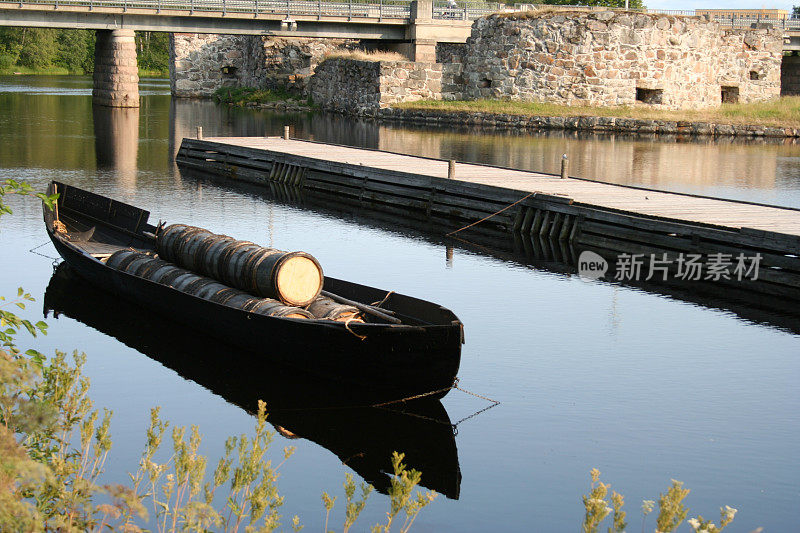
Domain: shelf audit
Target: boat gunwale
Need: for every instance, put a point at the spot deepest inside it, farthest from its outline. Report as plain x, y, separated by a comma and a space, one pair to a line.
351, 327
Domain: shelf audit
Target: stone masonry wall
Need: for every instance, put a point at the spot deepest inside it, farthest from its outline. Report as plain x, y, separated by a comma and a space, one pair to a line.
364, 87
619, 58
200, 64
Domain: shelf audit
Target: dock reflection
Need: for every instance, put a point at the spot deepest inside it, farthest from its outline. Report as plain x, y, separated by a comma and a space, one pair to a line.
299, 405
541, 253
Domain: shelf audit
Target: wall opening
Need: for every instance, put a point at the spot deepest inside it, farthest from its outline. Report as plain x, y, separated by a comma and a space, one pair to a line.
754, 75
485, 82
730, 95
649, 96
228, 72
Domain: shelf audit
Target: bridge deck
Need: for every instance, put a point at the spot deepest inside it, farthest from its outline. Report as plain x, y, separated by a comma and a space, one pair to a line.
669, 205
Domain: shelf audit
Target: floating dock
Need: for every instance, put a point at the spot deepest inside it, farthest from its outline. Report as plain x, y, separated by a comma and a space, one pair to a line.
532, 206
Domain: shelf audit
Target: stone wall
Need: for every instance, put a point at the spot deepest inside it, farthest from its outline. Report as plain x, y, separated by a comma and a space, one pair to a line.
364, 87
200, 64
620, 58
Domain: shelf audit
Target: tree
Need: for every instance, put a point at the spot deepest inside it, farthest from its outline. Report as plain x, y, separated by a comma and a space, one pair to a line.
75, 49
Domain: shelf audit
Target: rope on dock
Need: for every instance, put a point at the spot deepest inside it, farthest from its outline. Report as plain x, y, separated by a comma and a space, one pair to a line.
490, 216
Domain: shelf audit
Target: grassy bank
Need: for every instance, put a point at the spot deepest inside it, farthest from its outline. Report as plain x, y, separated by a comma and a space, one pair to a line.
49, 71
784, 112
60, 71
145, 73
252, 96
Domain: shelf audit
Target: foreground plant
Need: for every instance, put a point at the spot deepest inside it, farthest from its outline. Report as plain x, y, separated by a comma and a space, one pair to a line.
403, 483
401, 498
54, 445
671, 512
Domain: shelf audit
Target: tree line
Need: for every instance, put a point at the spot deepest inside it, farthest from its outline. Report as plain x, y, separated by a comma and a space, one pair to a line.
45, 49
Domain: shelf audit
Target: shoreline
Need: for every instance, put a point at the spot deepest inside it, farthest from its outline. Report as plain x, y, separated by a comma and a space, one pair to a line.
587, 123
520, 122
63, 72
524, 122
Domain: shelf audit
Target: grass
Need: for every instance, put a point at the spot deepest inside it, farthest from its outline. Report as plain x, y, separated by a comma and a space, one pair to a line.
361, 55
145, 73
241, 96
49, 71
783, 112
61, 71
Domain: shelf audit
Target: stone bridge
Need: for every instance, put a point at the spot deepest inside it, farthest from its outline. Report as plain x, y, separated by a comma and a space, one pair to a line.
417, 24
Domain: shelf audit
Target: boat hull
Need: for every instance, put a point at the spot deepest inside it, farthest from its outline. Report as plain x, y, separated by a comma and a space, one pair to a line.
389, 363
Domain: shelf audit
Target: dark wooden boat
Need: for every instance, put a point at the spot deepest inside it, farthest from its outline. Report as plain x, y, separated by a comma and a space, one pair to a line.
385, 361
300, 405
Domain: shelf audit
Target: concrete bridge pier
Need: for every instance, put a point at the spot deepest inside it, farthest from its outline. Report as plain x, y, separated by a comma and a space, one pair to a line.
116, 73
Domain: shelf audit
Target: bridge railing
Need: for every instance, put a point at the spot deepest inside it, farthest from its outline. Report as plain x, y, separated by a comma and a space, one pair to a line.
391, 9
790, 24
445, 9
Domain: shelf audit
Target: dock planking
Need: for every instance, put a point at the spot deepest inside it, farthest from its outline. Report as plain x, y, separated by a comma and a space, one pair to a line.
671, 205
539, 210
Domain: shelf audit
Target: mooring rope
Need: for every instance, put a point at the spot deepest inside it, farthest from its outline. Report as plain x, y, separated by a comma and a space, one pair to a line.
490, 216
415, 397
33, 251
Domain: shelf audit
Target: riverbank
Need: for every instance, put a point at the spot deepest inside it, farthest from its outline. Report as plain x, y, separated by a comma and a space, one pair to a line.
60, 71
262, 99
779, 118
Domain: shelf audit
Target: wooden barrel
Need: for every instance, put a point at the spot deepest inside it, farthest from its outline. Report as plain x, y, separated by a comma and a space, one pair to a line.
165, 273
166, 239
206, 288
120, 256
270, 307
190, 243
182, 280
324, 307
210, 252
146, 269
232, 298
232, 259
294, 278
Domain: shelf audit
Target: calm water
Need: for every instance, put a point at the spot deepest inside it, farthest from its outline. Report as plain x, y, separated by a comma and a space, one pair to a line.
644, 387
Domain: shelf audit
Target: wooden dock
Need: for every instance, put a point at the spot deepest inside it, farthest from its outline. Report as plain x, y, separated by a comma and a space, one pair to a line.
535, 206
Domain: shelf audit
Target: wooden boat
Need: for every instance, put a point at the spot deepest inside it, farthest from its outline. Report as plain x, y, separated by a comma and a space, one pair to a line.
300, 405
387, 361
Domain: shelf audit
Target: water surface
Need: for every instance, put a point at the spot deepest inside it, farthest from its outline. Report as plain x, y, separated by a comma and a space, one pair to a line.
642, 386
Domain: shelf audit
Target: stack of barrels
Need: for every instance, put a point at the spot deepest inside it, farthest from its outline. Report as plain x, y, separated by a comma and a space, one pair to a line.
237, 274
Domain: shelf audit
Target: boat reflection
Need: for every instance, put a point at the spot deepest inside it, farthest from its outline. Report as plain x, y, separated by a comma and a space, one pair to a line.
300, 405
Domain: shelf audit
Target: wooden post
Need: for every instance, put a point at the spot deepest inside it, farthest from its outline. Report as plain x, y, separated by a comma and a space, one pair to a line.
448, 255
286, 133
564, 166
199, 132
55, 204
451, 169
